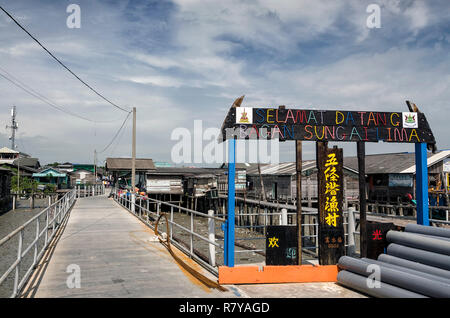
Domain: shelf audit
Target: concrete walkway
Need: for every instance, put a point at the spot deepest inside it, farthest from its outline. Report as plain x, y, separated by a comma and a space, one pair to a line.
117, 257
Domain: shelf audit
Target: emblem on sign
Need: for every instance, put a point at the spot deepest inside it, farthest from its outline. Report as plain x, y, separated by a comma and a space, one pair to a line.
410, 120
244, 115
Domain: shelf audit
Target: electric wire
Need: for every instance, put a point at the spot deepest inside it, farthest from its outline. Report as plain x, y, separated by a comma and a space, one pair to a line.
115, 136
13, 80
61, 63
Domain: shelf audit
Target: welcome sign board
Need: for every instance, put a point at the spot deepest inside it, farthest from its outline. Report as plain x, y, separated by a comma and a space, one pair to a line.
326, 125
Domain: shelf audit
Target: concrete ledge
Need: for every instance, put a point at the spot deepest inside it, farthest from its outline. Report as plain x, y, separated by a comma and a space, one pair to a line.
277, 274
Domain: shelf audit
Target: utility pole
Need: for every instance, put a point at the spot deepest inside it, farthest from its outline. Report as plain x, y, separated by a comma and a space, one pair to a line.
298, 169
95, 166
133, 152
13, 128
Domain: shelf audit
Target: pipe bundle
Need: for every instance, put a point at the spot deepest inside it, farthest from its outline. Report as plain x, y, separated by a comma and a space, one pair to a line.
417, 265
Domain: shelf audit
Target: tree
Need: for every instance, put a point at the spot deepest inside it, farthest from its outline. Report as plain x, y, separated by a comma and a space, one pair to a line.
26, 185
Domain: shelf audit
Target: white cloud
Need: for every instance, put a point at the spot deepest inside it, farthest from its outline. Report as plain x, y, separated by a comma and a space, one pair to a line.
202, 55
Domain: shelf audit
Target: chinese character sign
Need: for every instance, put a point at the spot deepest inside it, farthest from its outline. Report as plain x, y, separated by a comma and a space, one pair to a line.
332, 189
281, 245
330, 183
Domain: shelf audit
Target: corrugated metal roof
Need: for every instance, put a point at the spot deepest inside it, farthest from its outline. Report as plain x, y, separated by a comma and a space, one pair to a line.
7, 150
28, 162
118, 164
285, 168
431, 160
49, 172
404, 162
187, 172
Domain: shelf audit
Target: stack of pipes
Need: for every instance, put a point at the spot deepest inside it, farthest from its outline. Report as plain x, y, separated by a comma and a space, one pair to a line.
417, 265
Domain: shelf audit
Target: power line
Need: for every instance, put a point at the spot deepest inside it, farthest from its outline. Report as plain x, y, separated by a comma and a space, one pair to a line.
115, 136
61, 63
42, 98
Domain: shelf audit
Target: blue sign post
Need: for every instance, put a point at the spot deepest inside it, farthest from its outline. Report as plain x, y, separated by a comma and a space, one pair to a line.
229, 226
422, 184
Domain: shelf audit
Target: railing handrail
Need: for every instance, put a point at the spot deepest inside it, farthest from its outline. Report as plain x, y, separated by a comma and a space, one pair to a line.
20, 228
270, 204
189, 251
61, 207
181, 208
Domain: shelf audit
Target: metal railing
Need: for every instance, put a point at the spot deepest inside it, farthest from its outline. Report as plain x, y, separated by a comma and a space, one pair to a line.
148, 211
271, 213
83, 191
46, 224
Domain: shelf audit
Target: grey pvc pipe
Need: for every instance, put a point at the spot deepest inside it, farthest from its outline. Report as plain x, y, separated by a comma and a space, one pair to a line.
433, 237
420, 256
398, 278
408, 270
359, 283
385, 258
419, 241
428, 230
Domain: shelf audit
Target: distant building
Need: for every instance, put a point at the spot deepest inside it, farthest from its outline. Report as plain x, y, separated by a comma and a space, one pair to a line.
280, 180
51, 175
15, 160
81, 176
84, 166
66, 167
193, 182
8, 155
120, 169
27, 162
391, 176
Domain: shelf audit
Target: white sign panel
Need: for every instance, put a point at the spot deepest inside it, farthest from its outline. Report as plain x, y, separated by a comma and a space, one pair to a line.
400, 180
447, 165
244, 115
410, 120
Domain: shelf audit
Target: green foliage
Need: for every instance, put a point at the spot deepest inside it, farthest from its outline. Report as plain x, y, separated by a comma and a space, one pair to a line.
26, 185
50, 188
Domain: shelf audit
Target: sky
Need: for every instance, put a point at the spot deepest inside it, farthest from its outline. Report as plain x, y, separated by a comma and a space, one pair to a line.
185, 60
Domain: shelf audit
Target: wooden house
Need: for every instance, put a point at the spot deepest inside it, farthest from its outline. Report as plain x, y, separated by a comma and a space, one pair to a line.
279, 181
50, 175
81, 176
390, 177
120, 170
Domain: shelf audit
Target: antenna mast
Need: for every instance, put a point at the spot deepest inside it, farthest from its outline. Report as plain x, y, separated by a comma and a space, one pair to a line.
13, 128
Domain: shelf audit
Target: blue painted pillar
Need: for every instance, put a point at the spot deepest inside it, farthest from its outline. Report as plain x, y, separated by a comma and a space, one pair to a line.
422, 184
229, 226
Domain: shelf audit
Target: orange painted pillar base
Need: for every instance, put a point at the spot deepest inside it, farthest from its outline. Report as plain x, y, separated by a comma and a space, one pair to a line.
277, 274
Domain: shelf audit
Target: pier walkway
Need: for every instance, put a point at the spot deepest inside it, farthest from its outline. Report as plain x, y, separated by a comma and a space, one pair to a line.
117, 256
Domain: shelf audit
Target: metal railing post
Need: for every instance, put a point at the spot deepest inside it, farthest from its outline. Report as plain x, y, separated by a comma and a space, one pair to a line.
212, 238
36, 243
351, 231
133, 203
171, 221
46, 227
283, 217
192, 235
19, 259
